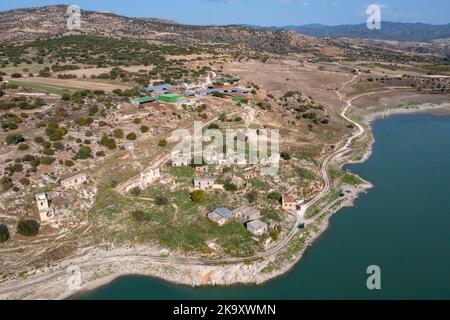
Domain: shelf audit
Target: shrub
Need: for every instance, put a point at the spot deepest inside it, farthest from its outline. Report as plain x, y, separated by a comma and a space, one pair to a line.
108, 142
24, 182
230, 187
23, 147
136, 191
4, 233
58, 146
138, 215
131, 136
145, 129
286, 156
198, 196
69, 163
28, 228
47, 161
12, 126
93, 110
162, 143
118, 133
39, 140
275, 196
252, 196
161, 201
5, 183
14, 139
84, 153
214, 126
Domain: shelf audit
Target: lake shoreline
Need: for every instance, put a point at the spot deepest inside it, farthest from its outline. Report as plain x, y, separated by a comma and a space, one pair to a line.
195, 275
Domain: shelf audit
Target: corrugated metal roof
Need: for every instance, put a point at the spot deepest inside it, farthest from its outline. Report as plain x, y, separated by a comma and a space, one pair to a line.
143, 99
224, 212
161, 87
257, 224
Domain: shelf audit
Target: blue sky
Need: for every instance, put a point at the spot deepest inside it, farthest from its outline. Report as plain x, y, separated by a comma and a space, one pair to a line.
260, 12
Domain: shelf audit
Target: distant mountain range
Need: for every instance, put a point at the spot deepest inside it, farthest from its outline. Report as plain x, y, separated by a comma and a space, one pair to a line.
389, 31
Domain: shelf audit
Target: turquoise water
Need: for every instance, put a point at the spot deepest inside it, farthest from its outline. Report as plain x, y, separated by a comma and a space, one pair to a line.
402, 225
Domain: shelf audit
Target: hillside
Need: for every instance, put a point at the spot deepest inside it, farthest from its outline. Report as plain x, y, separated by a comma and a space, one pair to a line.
389, 31
32, 23
392, 31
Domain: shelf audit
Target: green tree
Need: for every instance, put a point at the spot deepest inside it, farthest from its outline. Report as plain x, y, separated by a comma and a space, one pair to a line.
131, 136
118, 133
286, 156
230, 187
28, 228
14, 139
108, 142
162, 143
84, 153
5, 183
198, 196
161, 201
4, 233
136, 191
274, 196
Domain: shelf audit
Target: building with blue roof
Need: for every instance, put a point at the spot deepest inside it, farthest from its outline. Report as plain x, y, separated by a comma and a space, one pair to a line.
160, 89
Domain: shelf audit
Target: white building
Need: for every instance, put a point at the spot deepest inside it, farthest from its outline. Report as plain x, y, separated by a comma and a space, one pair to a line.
46, 212
74, 181
247, 213
204, 184
221, 216
129, 146
217, 218
181, 161
145, 179
257, 227
288, 203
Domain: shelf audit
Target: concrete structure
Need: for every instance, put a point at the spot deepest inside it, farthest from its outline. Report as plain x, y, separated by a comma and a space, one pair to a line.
288, 203
74, 181
217, 218
221, 216
204, 184
142, 100
252, 214
161, 89
145, 179
129, 146
189, 93
257, 227
181, 162
246, 213
46, 212
202, 169
250, 175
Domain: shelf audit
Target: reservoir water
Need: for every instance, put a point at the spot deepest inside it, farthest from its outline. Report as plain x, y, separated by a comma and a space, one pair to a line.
402, 226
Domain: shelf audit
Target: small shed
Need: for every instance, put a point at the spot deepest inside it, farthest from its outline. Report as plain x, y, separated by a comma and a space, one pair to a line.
257, 227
